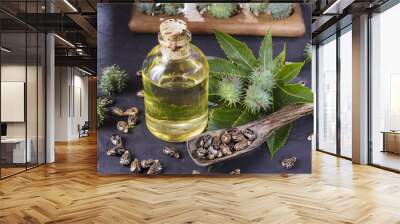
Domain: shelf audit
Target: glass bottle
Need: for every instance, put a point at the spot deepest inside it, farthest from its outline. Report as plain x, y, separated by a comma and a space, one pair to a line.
175, 80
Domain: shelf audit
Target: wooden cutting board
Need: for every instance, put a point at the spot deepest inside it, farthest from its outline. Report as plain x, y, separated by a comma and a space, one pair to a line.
244, 23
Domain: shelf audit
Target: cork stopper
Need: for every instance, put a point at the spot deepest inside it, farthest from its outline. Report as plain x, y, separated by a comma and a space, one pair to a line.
174, 38
173, 30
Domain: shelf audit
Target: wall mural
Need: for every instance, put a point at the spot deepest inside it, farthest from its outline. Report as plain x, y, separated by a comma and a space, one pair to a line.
204, 88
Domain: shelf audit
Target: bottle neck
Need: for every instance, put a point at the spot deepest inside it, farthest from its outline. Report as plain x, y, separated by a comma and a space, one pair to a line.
175, 49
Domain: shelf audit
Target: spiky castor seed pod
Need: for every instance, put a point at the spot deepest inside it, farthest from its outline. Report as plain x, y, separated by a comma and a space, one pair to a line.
222, 10
229, 89
280, 11
172, 9
263, 79
256, 8
113, 80
257, 99
308, 53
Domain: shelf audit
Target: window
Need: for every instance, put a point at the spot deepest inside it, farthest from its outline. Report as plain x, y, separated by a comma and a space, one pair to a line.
346, 95
22, 77
385, 89
327, 96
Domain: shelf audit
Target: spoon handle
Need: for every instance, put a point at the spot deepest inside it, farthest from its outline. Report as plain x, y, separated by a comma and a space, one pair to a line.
281, 118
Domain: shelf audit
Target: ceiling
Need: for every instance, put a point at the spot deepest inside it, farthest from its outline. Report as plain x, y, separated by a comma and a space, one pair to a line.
332, 15
74, 22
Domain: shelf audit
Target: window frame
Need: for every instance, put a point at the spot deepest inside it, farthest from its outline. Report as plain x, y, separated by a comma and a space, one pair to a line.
334, 37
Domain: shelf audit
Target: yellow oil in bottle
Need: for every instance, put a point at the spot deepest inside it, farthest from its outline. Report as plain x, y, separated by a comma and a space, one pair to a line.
176, 93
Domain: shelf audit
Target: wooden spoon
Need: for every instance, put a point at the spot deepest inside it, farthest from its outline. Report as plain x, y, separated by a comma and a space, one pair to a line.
263, 128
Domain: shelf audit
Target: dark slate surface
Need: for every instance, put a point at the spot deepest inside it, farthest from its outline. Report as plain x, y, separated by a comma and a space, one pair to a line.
118, 45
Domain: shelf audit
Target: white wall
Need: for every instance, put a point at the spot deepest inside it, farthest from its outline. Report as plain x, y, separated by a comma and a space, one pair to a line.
71, 102
33, 126
62, 81
17, 73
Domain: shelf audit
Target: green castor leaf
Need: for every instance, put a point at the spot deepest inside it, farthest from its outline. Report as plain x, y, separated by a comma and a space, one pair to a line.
279, 61
101, 113
263, 79
280, 11
237, 52
113, 80
256, 8
266, 51
222, 10
287, 94
229, 89
219, 67
256, 99
228, 117
172, 9
289, 71
278, 139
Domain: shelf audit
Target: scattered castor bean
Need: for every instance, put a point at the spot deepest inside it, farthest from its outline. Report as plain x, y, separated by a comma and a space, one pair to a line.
140, 93
171, 151
226, 138
235, 172
132, 121
133, 111
116, 139
111, 152
155, 168
106, 101
146, 163
123, 126
289, 163
120, 150
115, 151
125, 159
195, 172
117, 111
135, 166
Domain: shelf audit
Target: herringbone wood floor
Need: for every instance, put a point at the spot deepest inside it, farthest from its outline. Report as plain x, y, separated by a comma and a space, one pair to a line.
70, 191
